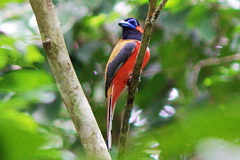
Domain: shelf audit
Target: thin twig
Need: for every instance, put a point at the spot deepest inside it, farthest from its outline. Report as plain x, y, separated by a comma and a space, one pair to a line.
67, 81
158, 10
135, 76
208, 62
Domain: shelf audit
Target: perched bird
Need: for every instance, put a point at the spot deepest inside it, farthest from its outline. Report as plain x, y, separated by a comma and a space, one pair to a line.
120, 66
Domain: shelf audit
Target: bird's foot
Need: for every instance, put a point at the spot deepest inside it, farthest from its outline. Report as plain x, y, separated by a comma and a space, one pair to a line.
130, 77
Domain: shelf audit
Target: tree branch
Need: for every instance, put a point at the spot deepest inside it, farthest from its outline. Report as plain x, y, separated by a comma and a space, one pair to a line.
158, 10
67, 82
151, 18
208, 62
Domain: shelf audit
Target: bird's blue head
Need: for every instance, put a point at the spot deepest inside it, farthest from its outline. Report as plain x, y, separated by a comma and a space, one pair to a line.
131, 23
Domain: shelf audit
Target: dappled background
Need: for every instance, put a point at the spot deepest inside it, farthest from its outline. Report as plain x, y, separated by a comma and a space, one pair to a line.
187, 105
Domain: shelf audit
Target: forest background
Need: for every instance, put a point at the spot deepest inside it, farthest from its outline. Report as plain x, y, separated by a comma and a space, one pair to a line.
187, 103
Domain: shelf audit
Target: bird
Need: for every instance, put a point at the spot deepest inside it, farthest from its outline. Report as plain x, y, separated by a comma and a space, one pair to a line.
120, 66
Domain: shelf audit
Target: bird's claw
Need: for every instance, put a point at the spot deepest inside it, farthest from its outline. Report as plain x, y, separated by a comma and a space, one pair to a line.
129, 80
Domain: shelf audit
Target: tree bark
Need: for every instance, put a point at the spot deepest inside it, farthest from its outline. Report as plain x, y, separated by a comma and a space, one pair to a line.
67, 82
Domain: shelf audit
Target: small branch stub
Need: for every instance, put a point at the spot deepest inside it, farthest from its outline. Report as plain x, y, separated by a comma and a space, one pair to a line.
47, 43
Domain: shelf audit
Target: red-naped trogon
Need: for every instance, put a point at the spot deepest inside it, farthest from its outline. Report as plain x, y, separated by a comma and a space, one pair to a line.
120, 66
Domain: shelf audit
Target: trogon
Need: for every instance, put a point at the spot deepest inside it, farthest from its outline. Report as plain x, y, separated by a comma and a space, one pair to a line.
120, 66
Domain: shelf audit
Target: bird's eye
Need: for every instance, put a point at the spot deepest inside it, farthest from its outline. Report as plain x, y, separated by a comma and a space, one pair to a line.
132, 22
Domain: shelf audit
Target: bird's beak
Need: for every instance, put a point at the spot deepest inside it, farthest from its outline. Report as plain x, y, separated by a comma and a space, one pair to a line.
123, 24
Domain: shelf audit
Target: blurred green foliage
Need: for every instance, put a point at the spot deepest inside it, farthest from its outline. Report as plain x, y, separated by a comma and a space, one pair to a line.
170, 120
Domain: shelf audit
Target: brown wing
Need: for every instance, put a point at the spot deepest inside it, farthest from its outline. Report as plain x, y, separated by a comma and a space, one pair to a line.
119, 59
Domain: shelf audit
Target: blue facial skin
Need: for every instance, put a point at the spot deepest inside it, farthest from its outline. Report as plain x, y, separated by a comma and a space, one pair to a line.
130, 23
131, 29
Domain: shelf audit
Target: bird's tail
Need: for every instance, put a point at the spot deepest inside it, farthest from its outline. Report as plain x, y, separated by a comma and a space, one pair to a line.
109, 122
112, 98
113, 95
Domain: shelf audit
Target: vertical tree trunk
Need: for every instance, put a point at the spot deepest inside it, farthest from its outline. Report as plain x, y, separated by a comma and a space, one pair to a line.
67, 82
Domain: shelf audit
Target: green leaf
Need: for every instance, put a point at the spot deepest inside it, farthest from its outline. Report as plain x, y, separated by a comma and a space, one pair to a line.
5, 2
25, 80
177, 5
8, 56
19, 137
181, 135
6, 41
4, 59
200, 18
17, 103
33, 55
